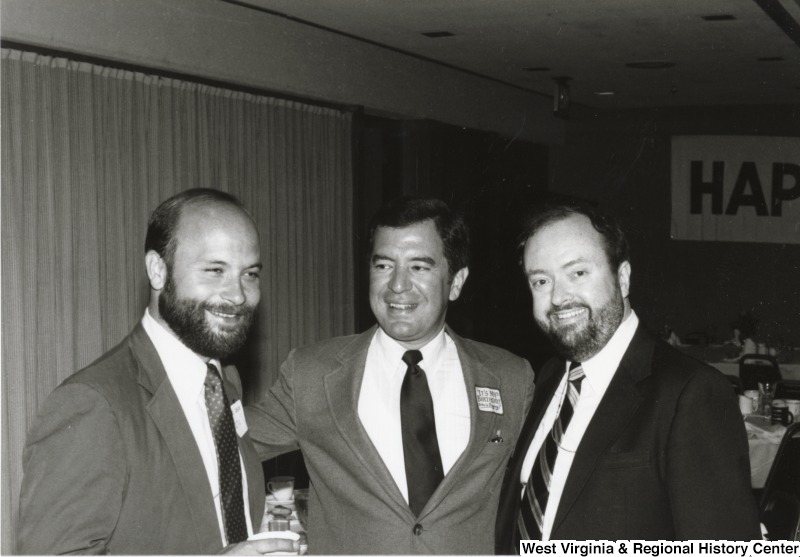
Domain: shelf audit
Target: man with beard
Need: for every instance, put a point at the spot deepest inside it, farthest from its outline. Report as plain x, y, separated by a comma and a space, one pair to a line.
627, 437
145, 450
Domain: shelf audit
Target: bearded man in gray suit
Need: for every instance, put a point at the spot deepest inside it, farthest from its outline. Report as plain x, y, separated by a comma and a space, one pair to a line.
127, 455
406, 428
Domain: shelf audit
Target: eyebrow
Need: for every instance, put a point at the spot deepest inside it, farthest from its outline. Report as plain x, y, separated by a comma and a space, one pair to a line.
422, 258
226, 264
566, 265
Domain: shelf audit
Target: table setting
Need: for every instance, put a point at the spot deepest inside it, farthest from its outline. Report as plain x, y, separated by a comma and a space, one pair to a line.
725, 357
285, 513
765, 420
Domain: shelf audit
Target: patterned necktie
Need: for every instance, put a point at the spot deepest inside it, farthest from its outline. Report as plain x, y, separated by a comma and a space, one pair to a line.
537, 490
420, 446
230, 472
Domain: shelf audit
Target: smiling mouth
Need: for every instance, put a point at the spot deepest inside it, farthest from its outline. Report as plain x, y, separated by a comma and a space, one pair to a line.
223, 314
402, 307
569, 314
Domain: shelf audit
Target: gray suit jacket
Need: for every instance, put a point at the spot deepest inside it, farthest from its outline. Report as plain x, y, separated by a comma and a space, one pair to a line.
111, 465
355, 506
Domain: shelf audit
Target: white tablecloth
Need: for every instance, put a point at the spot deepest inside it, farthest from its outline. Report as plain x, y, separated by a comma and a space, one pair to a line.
764, 440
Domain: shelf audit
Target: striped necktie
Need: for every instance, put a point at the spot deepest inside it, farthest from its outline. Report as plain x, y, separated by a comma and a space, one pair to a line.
537, 490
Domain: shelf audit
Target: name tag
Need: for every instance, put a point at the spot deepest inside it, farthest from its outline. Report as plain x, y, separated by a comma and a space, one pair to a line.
489, 400
238, 418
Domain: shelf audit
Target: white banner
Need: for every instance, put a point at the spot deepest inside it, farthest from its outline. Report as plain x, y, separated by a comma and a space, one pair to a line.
736, 188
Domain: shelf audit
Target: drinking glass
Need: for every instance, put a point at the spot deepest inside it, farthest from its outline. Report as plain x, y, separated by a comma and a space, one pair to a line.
767, 391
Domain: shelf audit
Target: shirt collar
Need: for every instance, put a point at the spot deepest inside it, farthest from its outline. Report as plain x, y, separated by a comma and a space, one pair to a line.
185, 369
390, 350
600, 368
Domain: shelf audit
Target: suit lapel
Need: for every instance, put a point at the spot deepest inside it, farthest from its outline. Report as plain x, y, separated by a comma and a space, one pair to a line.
614, 412
342, 387
550, 376
165, 410
482, 424
543, 394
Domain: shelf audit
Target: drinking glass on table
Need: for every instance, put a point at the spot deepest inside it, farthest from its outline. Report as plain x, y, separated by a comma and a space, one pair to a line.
767, 391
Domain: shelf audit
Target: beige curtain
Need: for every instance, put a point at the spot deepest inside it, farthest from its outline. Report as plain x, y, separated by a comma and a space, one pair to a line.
87, 154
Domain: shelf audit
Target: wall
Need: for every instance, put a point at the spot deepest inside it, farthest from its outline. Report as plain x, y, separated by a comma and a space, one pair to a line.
490, 177
217, 40
622, 159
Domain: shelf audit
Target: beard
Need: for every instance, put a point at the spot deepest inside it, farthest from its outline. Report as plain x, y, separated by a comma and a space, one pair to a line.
187, 319
578, 343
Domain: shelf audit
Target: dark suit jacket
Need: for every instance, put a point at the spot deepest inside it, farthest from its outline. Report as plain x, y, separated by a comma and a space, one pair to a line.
111, 465
355, 506
665, 456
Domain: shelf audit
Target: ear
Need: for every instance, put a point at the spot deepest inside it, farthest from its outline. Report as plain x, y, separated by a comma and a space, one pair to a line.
458, 283
156, 270
624, 278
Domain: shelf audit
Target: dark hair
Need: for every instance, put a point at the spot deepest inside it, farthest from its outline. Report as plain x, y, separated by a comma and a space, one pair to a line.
616, 243
164, 220
452, 229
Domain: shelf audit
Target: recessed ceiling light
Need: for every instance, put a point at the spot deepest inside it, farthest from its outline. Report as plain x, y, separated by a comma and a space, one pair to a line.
650, 65
720, 17
604, 93
439, 34
770, 59
536, 69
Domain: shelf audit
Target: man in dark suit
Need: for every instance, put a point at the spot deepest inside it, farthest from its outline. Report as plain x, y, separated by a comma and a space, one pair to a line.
406, 428
627, 438
145, 451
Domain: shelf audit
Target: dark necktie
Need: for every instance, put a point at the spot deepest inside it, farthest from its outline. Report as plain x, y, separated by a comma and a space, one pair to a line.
420, 446
230, 472
537, 490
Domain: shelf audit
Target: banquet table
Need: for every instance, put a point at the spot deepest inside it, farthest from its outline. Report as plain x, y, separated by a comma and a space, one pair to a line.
764, 439
283, 516
725, 357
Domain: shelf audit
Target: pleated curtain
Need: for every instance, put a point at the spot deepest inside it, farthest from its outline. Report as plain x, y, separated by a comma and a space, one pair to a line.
87, 153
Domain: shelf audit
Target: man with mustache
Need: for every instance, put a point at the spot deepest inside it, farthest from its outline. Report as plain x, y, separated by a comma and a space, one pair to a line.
406, 428
145, 451
627, 437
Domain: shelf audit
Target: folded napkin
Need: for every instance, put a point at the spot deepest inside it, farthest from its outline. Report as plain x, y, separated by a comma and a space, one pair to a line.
772, 433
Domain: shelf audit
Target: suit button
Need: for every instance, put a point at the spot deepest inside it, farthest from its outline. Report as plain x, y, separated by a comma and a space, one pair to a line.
418, 529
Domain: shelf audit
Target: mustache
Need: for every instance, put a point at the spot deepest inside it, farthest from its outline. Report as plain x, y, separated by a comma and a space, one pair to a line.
567, 307
230, 309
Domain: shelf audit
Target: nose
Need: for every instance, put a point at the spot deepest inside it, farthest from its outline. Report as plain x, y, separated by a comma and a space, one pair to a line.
399, 281
234, 292
561, 293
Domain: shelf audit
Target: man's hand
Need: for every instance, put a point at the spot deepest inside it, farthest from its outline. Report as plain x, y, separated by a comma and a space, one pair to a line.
260, 547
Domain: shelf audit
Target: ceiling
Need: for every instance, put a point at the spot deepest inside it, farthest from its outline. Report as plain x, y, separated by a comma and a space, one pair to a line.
753, 58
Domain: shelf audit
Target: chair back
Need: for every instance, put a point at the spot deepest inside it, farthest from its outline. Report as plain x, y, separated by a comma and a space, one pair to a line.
780, 503
757, 368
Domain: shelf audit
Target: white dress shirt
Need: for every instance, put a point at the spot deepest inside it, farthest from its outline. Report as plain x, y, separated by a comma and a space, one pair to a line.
599, 370
187, 374
379, 400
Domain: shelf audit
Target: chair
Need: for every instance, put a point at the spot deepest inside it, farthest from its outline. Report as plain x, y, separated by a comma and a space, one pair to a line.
757, 368
780, 504
788, 388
